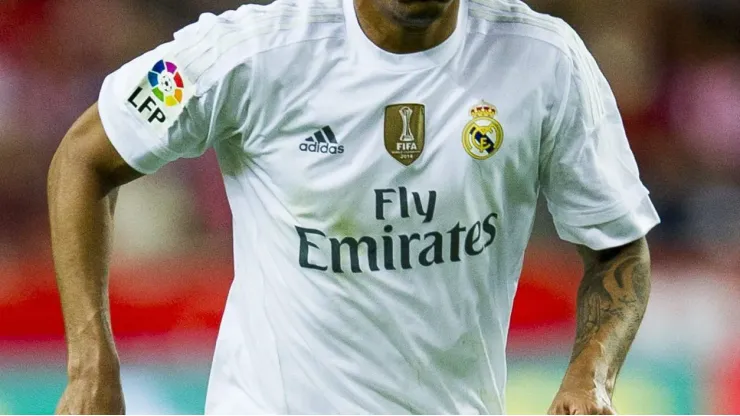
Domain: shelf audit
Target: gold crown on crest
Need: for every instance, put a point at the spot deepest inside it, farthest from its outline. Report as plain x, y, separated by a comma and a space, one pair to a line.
483, 109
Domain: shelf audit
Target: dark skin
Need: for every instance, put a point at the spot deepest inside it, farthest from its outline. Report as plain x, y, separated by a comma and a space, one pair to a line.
611, 303
83, 178
82, 188
407, 26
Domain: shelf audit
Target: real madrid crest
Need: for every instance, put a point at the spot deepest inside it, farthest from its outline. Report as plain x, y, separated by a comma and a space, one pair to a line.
484, 135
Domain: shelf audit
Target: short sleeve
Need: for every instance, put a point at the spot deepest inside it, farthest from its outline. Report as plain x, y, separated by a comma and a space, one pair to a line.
587, 170
160, 106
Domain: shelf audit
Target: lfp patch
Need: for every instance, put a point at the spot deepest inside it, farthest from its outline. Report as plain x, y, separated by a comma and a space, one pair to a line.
160, 97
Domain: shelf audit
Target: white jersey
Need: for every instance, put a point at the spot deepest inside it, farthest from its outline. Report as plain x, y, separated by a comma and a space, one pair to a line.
382, 203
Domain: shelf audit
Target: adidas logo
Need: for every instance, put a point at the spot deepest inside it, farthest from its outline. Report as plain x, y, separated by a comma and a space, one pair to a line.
323, 141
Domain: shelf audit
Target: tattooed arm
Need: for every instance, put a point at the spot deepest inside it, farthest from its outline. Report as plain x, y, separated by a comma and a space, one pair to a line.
611, 303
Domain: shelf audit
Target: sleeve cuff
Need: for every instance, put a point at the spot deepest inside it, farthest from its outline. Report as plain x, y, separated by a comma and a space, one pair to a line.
632, 225
126, 136
628, 200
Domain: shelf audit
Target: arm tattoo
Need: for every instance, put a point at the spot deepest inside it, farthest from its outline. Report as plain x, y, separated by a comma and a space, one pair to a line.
611, 302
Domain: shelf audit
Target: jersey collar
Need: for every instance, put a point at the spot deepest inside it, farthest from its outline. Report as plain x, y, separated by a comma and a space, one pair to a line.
367, 53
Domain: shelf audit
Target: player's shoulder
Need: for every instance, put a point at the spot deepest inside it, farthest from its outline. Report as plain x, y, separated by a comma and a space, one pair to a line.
215, 43
514, 17
280, 15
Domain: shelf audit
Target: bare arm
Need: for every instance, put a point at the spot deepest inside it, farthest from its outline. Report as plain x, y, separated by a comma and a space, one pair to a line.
82, 187
612, 299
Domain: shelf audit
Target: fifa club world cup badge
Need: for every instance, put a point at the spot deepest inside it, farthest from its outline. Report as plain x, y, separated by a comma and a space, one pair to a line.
404, 131
484, 135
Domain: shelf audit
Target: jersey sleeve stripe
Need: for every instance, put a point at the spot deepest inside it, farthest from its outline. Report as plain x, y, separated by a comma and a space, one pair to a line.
237, 39
218, 35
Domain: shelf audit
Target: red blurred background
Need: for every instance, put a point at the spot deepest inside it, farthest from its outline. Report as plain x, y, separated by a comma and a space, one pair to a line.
674, 66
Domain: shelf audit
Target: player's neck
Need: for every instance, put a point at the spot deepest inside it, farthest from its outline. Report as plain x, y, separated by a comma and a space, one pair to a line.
394, 37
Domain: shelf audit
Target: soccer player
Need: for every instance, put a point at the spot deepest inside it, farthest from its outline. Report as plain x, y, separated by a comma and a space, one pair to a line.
382, 159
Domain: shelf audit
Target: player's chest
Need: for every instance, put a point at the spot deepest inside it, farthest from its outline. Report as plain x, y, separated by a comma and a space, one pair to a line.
348, 134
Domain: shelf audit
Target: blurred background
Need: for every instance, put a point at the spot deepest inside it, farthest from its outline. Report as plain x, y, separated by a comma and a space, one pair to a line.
673, 64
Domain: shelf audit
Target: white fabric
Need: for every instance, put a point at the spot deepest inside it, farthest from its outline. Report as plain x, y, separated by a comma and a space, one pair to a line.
417, 318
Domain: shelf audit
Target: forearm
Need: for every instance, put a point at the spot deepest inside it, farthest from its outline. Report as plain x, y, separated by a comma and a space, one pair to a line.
611, 302
80, 209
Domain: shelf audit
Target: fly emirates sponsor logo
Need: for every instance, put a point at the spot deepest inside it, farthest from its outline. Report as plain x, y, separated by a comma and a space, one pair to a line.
393, 250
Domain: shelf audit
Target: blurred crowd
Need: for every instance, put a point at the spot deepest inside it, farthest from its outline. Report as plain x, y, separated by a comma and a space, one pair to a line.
673, 64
